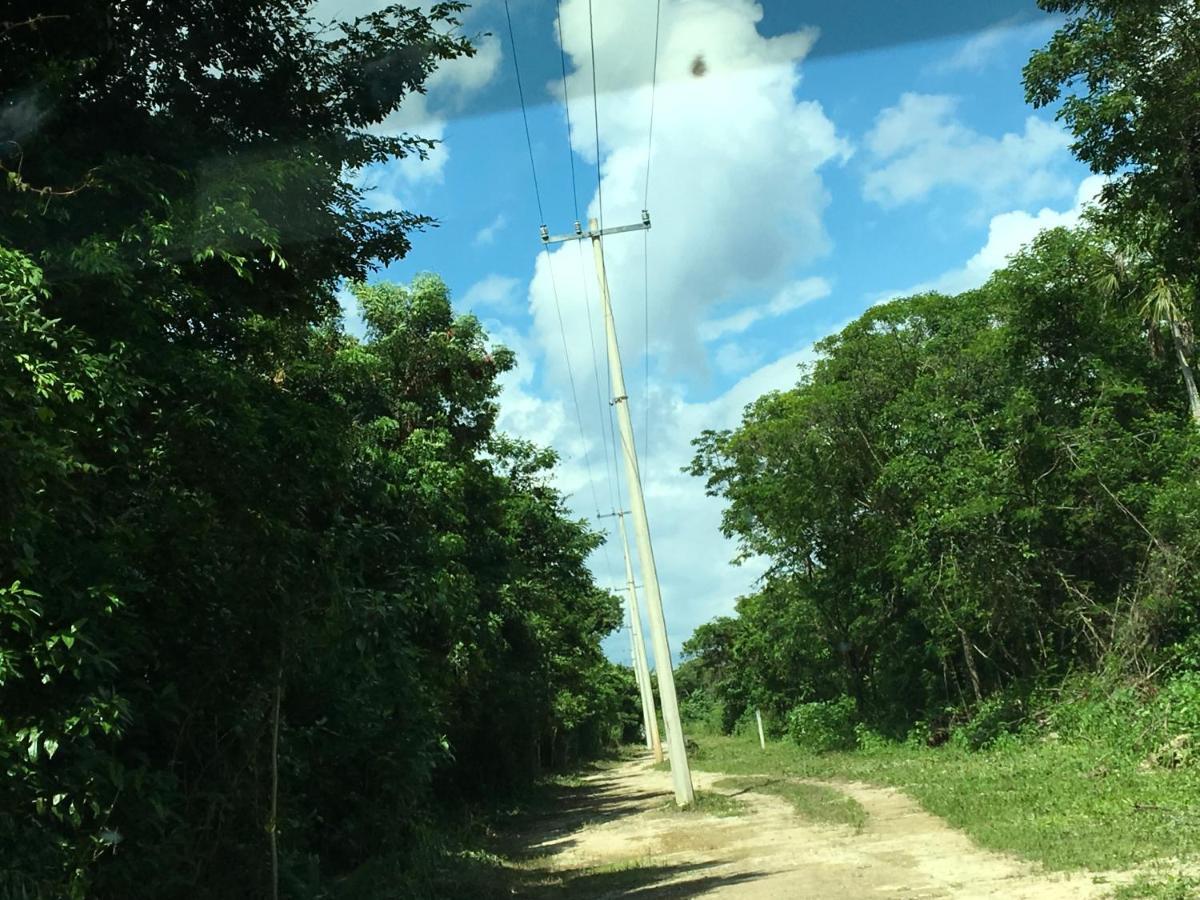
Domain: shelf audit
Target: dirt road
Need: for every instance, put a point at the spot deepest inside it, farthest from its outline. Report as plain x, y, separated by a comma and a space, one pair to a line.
614, 837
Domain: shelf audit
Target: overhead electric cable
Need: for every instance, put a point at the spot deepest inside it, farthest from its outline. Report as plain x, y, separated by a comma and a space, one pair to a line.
646, 342
612, 431
524, 114
646, 239
610, 460
562, 331
610, 464
553, 280
595, 113
653, 87
562, 58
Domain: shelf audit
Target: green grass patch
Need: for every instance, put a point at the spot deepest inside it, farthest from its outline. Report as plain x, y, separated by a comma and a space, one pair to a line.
1150, 887
1066, 805
709, 803
611, 879
814, 802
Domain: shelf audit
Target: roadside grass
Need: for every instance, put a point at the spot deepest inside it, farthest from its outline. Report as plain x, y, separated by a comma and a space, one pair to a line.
483, 875
1169, 887
618, 877
1066, 805
710, 803
814, 802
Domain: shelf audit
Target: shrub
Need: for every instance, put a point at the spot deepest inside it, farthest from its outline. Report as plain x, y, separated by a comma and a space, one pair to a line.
824, 725
703, 713
1180, 699
997, 716
866, 738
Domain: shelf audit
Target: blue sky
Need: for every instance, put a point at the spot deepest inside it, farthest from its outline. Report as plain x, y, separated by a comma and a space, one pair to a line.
829, 156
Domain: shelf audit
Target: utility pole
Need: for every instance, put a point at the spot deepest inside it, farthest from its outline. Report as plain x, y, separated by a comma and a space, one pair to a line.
640, 668
639, 651
641, 686
680, 770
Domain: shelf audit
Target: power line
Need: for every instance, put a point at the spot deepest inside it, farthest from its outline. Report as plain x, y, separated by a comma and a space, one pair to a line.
611, 474
612, 421
618, 502
610, 461
550, 268
583, 275
595, 112
653, 87
562, 58
613, 437
524, 114
646, 240
646, 342
562, 331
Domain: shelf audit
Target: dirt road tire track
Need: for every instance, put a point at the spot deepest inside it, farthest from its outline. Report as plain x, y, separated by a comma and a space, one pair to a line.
617, 840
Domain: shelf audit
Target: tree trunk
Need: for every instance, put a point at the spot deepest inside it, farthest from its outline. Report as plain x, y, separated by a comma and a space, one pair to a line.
273, 826
1189, 377
969, 657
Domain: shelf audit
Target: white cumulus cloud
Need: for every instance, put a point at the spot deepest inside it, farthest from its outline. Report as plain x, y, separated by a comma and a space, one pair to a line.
487, 234
1008, 232
919, 145
788, 299
494, 291
735, 192
448, 89
736, 199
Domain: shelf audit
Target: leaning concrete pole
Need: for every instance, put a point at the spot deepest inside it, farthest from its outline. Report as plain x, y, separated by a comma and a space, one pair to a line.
649, 713
680, 771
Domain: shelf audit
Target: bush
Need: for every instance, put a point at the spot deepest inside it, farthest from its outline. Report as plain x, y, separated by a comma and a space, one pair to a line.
997, 716
703, 713
868, 739
824, 725
1180, 701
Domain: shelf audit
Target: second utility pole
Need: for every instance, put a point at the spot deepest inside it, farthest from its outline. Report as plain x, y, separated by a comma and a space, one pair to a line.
680, 770
649, 713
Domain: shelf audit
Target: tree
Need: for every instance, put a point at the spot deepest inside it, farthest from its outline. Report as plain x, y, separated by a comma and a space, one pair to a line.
178, 211
956, 499
269, 592
1126, 74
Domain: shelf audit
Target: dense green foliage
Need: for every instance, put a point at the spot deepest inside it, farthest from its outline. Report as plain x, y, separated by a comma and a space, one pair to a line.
970, 497
1126, 74
965, 494
268, 592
